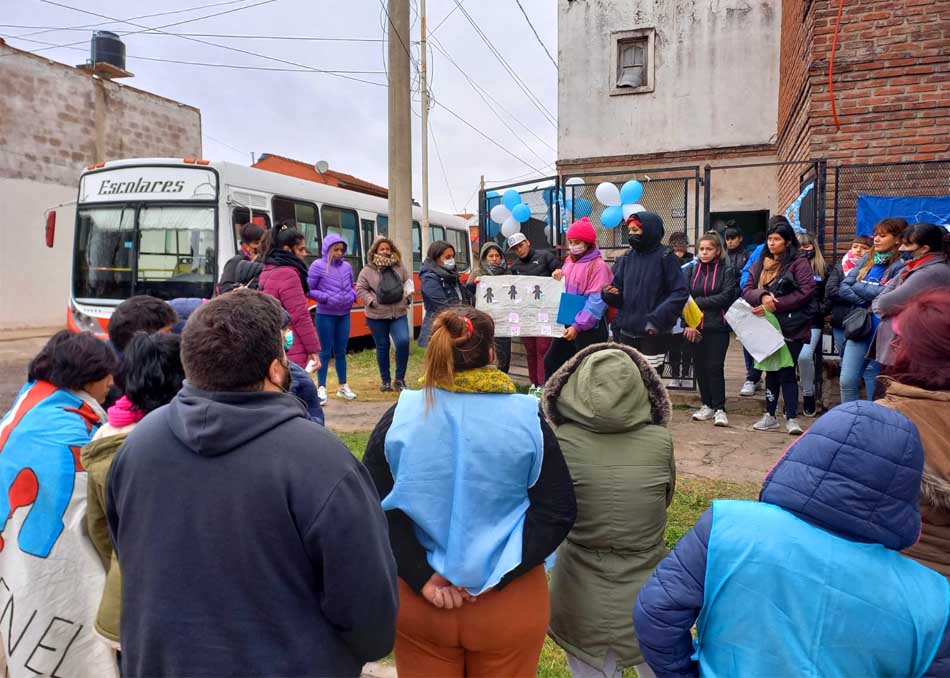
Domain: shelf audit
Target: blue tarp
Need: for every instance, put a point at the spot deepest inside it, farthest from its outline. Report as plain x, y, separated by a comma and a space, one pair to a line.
927, 209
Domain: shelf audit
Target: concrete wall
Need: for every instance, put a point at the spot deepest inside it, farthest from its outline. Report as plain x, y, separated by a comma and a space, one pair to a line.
54, 120
716, 77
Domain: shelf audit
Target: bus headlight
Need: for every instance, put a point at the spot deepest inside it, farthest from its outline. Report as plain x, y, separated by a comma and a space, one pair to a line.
85, 323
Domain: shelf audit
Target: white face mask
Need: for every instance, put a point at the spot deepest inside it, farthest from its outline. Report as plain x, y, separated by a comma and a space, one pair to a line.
448, 263
578, 250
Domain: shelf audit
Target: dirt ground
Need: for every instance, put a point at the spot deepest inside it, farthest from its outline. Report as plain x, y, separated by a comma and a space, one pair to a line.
734, 453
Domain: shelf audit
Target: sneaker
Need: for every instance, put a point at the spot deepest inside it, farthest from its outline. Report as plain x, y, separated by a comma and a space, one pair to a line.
322, 394
721, 418
386, 387
767, 423
808, 406
793, 428
399, 385
345, 393
748, 389
705, 413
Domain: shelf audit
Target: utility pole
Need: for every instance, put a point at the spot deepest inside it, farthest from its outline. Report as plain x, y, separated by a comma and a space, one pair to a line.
424, 85
400, 136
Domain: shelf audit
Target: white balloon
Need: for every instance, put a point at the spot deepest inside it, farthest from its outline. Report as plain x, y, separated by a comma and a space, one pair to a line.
632, 209
499, 213
510, 227
608, 194
574, 181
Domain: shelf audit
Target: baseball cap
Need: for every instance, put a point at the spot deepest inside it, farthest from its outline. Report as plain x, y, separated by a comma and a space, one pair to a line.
516, 240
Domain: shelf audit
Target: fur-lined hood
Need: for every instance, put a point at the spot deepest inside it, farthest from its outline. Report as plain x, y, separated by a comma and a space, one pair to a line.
607, 388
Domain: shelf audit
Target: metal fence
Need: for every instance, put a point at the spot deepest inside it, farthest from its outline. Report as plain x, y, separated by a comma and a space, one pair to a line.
900, 179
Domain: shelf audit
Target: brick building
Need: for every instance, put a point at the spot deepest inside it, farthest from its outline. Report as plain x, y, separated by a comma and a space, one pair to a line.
54, 120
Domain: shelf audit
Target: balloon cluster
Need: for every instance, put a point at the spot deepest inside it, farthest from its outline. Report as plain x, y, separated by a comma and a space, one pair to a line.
511, 213
578, 207
620, 203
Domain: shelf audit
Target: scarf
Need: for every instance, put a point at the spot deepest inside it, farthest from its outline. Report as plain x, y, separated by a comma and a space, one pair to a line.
882, 258
93, 404
492, 269
917, 263
382, 261
770, 270
480, 380
285, 258
124, 413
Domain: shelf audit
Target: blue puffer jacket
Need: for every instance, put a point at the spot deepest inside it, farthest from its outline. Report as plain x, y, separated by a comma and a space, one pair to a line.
854, 475
863, 292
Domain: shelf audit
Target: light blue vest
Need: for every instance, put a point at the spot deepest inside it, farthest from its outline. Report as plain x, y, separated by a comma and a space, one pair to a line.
808, 603
462, 472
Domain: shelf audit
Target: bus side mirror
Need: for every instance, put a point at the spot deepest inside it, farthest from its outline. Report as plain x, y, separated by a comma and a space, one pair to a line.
50, 228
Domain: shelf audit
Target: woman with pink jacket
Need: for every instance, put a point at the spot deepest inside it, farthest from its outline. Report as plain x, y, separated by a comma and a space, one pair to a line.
285, 278
585, 273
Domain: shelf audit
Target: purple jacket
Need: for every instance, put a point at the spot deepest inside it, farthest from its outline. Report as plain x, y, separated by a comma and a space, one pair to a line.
283, 283
331, 285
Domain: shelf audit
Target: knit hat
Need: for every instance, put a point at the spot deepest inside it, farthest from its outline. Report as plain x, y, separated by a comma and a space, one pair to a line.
582, 230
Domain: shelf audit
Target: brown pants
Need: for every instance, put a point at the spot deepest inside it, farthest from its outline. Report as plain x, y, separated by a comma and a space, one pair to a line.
499, 635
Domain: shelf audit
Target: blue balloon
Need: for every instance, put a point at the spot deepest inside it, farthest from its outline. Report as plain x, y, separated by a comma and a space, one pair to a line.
630, 192
521, 212
611, 216
579, 208
492, 194
511, 199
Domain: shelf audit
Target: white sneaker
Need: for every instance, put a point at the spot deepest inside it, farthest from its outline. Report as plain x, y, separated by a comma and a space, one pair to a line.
793, 427
345, 392
322, 394
721, 418
748, 389
766, 423
705, 413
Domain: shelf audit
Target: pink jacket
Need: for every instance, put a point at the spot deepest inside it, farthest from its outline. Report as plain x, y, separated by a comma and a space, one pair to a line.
283, 283
588, 277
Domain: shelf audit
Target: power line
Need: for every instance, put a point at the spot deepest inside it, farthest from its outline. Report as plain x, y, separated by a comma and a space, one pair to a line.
444, 19
534, 30
227, 47
306, 38
518, 81
218, 141
445, 175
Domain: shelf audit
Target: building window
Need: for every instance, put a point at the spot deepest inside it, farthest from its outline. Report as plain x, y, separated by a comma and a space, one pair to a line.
633, 60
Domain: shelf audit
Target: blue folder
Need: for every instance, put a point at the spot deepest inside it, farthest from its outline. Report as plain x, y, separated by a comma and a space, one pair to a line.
570, 306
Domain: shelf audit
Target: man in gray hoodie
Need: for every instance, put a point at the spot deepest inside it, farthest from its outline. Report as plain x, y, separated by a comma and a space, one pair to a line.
251, 541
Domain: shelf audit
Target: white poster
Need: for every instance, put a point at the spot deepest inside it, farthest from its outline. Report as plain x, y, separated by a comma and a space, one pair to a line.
755, 333
521, 305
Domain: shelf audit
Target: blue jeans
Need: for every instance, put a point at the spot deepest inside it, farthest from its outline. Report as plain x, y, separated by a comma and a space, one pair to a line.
840, 341
806, 362
382, 330
854, 368
334, 333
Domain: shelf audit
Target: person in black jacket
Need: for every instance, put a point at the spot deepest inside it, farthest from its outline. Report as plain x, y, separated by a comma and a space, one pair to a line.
736, 253
441, 286
712, 284
542, 263
478, 496
806, 359
243, 269
251, 541
648, 287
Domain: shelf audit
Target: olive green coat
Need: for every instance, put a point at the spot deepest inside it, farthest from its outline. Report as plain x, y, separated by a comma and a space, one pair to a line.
611, 411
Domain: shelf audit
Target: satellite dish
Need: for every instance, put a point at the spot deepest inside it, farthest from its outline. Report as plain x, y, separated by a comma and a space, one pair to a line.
322, 166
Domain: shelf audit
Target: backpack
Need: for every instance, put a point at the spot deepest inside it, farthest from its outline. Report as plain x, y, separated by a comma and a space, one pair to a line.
391, 289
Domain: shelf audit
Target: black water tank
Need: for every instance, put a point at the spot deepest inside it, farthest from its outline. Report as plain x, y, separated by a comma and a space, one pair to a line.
108, 48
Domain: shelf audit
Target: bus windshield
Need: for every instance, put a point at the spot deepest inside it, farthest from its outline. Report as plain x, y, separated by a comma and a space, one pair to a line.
166, 251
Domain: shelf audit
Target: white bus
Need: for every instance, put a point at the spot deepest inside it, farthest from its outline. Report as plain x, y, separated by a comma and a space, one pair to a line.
165, 227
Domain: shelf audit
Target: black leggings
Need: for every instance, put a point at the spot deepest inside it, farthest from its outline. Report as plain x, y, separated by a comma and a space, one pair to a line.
562, 350
785, 381
680, 356
709, 359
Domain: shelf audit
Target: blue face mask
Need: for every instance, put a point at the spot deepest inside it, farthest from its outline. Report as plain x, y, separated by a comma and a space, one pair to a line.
288, 339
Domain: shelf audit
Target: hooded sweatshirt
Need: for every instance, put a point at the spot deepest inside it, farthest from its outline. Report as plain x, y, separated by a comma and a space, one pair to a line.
587, 276
267, 552
808, 580
611, 415
331, 283
651, 284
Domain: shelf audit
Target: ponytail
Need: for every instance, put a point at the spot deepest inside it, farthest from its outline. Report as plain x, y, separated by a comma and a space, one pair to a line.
462, 339
284, 234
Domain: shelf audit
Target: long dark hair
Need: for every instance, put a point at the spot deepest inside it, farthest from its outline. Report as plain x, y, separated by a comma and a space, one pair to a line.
70, 361
937, 238
437, 249
284, 234
787, 233
150, 372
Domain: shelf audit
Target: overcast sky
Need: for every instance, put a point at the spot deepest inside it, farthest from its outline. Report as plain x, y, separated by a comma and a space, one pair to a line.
314, 116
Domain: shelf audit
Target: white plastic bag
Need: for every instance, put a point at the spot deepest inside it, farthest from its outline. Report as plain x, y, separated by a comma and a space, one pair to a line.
755, 333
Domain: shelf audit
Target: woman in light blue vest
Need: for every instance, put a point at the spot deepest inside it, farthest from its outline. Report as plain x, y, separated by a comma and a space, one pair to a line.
478, 497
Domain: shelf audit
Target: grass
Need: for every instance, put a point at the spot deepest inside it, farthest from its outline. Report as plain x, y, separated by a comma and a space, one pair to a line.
363, 374
691, 498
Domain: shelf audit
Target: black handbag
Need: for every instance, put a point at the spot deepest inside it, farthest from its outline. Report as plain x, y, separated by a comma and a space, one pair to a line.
858, 324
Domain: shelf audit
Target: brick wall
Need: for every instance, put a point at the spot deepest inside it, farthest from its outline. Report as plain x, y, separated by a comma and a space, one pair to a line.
794, 131
55, 119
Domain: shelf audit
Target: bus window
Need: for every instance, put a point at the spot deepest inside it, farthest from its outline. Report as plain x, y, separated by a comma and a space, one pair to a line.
307, 218
176, 252
368, 237
382, 224
436, 233
103, 261
459, 241
240, 216
416, 245
344, 223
